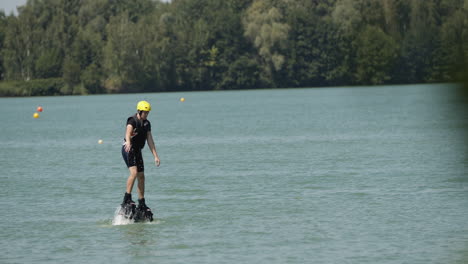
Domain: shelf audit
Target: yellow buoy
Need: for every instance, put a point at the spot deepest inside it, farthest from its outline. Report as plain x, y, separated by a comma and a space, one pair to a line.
100, 141
182, 99
36, 115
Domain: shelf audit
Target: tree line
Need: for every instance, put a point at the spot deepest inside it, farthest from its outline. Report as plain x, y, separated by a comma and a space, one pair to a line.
115, 46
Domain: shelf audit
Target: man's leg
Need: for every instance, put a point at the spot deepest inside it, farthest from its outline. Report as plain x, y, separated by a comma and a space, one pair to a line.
141, 185
128, 205
143, 213
131, 178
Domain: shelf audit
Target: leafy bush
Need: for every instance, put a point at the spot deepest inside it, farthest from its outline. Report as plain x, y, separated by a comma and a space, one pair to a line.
38, 87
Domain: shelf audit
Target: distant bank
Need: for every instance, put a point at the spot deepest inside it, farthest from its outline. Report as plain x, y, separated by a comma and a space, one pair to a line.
57, 87
66, 47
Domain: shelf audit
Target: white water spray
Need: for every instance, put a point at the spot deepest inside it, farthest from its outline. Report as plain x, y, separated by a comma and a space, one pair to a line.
120, 219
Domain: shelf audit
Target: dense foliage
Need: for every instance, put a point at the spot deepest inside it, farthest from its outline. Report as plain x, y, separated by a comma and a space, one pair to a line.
111, 46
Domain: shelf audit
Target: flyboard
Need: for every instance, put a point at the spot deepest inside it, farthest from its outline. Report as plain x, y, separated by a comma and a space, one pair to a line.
129, 213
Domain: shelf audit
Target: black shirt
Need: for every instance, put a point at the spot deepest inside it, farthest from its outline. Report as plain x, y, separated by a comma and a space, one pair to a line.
140, 130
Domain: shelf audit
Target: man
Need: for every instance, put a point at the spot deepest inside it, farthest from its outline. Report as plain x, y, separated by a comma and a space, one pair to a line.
138, 131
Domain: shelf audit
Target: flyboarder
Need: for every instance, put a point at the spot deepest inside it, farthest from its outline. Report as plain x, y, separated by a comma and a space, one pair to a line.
138, 131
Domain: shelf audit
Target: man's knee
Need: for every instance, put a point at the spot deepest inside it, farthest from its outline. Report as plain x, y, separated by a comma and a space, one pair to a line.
140, 176
133, 172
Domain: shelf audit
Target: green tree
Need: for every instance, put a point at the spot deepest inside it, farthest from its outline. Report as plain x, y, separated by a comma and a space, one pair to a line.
20, 49
3, 27
120, 53
347, 16
419, 43
71, 76
264, 26
49, 64
376, 53
454, 46
243, 73
318, 46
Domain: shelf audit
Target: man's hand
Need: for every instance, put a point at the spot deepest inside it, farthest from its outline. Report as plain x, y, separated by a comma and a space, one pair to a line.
128, 146
157, 161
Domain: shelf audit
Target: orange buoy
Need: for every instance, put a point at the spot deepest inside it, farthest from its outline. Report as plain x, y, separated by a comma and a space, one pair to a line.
39, 108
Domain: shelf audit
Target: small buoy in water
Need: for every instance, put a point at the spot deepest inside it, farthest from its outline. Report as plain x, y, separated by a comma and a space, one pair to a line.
182, 99
36, 115
100, 141
39, 108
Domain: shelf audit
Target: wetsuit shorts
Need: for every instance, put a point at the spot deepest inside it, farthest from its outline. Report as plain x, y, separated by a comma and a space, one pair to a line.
133, 158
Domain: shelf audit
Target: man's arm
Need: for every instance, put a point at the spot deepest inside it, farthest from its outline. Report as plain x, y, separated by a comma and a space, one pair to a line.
152, 146
128, 134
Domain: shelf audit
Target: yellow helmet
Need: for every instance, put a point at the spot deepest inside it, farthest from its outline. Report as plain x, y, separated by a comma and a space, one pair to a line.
143, 106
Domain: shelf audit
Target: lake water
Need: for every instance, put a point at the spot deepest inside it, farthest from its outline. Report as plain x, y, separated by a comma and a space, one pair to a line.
335, 175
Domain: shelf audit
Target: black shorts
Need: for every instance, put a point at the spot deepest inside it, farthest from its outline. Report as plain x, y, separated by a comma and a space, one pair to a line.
133, 158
